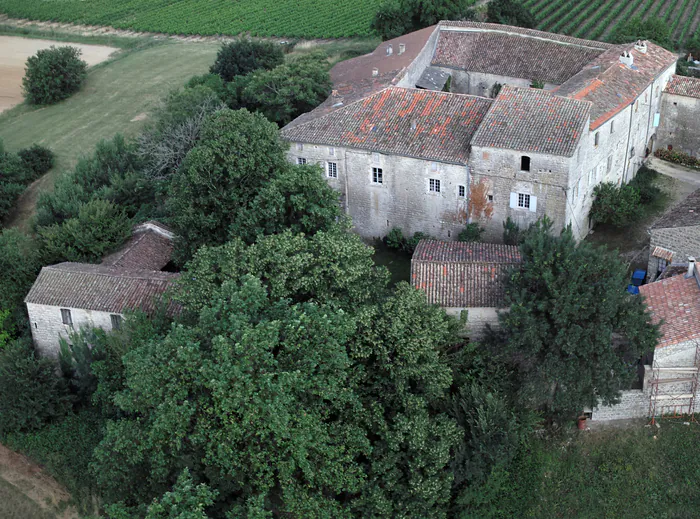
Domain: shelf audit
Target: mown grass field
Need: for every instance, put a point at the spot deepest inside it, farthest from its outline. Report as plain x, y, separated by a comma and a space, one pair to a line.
597, 19
288, 18
116, 98
15, 505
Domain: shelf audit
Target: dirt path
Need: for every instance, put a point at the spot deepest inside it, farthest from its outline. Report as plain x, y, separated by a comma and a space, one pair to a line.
691, 176
30, 480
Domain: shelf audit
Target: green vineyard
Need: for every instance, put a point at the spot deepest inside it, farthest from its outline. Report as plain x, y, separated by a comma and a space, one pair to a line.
285, 18
597, 19
591, 19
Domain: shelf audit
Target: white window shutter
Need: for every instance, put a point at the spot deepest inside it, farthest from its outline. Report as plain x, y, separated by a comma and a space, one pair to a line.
657, 117
513, 200
533, 204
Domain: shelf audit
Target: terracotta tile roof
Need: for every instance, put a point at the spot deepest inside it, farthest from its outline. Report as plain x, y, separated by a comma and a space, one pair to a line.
529, 119
676, 301
684, 86
684, 214
513, 51
150, 248
660, 252
611, 86
464, 275
403, 121
99, 288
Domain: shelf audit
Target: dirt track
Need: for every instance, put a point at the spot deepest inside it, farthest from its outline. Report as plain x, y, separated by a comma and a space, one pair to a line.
29, 479
14, 52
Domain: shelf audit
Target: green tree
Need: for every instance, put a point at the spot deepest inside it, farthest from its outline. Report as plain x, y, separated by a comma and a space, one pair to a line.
572, 331
242, 56
30, 392
397, 17
19, 265
99, 228
618, 206
53, 75
289, 90
510, 12
652, 29
38, 159
185, 501
237, 154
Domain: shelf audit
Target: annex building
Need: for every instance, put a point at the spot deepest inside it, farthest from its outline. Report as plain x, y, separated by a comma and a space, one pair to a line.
411, 129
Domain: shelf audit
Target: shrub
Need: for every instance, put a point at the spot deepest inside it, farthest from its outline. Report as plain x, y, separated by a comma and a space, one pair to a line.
19, 266
678, 157
37, 158
509, 12
397, 17
243, 56
653, 29
53, 75
536, 83
472, 232
618, 206
99, 228
644, 183
30, 392
512, 234
396, 240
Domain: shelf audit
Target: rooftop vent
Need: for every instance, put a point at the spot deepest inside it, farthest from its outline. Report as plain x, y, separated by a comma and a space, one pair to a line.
641, 46
626, 58
691, 267
402, 48
414, 124
375, 72
389, 49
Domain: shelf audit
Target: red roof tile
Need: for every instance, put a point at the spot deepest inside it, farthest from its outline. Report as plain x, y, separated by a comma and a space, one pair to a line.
676, 301
684, 86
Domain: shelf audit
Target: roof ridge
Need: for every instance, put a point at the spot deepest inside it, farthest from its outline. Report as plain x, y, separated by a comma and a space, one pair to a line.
126, 273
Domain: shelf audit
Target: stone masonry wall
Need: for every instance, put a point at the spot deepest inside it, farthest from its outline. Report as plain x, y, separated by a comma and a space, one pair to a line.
683, 241
47, 325
680, 124
480, 84
477, 319
403, 200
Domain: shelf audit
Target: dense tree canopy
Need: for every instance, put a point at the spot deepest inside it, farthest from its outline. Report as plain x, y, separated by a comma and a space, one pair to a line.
572, 331
242, 56
510, 12
397, 17
653, 29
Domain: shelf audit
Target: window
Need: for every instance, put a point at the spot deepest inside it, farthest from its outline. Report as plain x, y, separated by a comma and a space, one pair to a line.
66, 317
434, 185
375, 158
657, 91
591, 176
612, 126
331, 152
596, 138
636, 106
524, 200
490, 198
116, 321
609, 164
525, 163
332, 169
433, 166
377, 176
462, 191
300, 146
301, 160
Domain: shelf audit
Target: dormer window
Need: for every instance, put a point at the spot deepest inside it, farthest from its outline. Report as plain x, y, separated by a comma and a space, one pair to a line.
596, 139
525, 163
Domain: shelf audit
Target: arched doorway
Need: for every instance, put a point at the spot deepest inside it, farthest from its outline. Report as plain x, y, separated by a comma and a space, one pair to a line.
650, 146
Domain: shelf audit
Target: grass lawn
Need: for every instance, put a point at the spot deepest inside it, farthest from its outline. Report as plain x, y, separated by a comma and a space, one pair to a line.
15, 505
116, 98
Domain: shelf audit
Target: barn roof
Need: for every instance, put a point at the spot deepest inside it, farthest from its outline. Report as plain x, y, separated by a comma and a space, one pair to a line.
463, 275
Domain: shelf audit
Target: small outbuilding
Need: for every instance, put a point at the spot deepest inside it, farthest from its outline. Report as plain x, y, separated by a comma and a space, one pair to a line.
465, 276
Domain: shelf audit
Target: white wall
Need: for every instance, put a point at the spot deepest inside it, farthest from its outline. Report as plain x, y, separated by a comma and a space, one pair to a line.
47, 325
477, 319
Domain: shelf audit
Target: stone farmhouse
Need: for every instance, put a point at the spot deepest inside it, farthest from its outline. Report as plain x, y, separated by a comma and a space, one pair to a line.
465, 278
670, 384
68, 296
675, 236
410, 129
680, 126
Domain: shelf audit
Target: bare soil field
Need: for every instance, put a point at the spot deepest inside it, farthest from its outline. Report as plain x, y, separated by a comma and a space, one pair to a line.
14, 52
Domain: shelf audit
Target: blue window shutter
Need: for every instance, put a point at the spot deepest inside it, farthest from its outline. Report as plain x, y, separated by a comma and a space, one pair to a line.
657, 117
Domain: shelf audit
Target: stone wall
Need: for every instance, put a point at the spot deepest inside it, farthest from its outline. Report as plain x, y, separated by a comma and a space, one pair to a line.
480, 84
410, 76
683, 241
477, 319
47, 325
403, 200
680, 124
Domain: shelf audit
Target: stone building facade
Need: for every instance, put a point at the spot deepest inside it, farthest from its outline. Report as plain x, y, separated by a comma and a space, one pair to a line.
669, 384
539, 151
675, 236
69, 296
680, 125
466, 279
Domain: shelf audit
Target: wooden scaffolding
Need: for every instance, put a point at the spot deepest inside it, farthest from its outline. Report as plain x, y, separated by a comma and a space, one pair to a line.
674, 389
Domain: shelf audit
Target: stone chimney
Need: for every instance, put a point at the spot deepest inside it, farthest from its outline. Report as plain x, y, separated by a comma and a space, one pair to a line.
402, 48
389, 49
641, 46
414, 124
691, 267
626, 58
375, 72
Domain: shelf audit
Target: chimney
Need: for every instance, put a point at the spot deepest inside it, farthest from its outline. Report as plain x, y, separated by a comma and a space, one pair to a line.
626, 58
402, 48
691, 267
414, 124
375, 72
389, 49
641, 46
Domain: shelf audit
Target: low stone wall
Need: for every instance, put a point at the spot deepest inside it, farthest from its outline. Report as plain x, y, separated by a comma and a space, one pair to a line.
633, 404
477, 319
